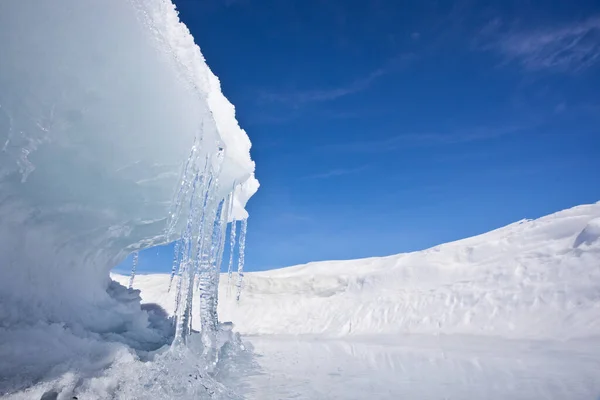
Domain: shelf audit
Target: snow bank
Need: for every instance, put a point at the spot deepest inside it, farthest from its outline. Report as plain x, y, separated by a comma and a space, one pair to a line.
532, 279
100, 103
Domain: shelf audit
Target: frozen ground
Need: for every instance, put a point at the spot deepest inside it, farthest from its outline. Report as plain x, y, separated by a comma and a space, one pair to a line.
455, 367
311, 368
510, 314
513, 313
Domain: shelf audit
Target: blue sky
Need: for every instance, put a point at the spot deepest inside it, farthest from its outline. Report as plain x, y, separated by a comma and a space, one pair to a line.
385, 126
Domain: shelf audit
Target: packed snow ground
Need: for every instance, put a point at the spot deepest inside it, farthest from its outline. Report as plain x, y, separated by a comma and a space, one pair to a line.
510, 314
422, 368
535, 282
534, 279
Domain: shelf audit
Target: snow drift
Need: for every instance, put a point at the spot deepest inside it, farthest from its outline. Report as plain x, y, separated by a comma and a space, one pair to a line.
100, 103
535, 279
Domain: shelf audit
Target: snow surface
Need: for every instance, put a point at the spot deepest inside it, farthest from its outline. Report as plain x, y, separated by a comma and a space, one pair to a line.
510, 314
422, 368
100, 104
534, 279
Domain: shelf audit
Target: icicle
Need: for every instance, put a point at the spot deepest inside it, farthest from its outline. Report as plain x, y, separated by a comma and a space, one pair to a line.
207, 285
175, 263
231, 248
198, 255
201, 258
186, 268
215, 249
232, 234
184, 186
219, 234
133, 268
243, 229
201, 240
219, 240
186, 278
175, 212
223, 230
209, 244
231, 244
178, 293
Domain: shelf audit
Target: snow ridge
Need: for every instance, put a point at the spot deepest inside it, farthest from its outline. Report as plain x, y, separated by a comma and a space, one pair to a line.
535, 279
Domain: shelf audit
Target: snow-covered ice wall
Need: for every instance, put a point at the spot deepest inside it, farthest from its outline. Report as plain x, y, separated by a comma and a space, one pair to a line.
100, 104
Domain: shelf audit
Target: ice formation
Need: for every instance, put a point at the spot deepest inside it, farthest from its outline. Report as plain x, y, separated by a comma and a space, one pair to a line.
134, 264
199, 254
241, 260
115, 137
232, 234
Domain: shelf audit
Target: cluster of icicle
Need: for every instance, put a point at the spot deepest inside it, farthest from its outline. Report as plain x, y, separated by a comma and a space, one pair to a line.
199, 251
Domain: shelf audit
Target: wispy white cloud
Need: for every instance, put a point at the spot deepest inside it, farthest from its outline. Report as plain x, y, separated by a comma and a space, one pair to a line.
412, 140
337, 172
300, 97
297, 98
569, 48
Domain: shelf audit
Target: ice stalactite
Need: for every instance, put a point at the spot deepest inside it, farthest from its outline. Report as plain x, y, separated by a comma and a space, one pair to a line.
220, 249
199, 252
209, 268
207, 286
201, 215
242, 251
200, 242
231, 251
133, 268
198, 181
175, 263
184, 186
186, 271
177, 205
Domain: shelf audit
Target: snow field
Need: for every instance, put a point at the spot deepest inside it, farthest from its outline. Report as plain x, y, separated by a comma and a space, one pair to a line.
534, 279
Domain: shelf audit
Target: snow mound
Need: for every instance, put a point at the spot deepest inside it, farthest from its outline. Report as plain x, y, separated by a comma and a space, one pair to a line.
100, 104
522, 281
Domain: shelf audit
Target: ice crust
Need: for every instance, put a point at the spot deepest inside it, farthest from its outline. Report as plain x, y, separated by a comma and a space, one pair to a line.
100, 104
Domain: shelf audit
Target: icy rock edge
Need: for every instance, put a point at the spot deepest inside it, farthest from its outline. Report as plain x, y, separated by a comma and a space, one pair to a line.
100, 104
